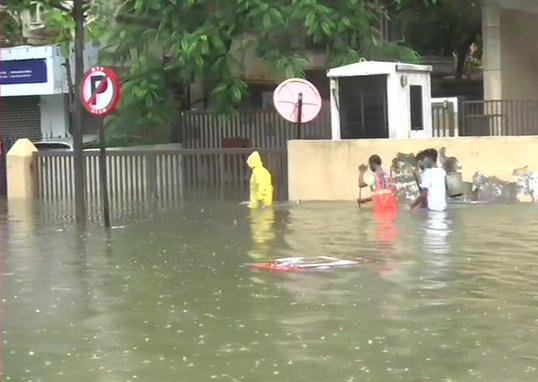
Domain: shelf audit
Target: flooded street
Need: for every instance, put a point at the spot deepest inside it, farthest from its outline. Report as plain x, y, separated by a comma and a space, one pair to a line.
442, 297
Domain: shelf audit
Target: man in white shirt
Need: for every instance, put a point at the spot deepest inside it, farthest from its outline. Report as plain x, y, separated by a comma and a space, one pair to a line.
433, 194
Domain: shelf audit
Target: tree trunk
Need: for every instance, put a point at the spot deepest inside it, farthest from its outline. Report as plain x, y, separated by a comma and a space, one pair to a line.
461, 55
70, 94
78, 156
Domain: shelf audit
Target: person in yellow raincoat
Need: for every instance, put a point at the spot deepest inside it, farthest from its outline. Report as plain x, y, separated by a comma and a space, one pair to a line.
261, 188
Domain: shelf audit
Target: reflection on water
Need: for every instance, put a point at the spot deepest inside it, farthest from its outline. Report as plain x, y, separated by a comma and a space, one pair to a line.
442, 296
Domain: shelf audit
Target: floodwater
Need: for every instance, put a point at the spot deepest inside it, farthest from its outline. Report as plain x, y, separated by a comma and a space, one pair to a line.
166, 298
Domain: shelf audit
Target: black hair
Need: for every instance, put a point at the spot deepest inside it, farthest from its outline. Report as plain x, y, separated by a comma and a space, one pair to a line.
431, 153
420, 156
375, 159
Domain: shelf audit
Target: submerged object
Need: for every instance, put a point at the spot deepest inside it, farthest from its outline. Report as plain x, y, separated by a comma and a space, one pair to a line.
293, 264
455, 185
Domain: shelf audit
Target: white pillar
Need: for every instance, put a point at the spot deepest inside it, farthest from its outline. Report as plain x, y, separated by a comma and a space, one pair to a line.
491, 32
335, 110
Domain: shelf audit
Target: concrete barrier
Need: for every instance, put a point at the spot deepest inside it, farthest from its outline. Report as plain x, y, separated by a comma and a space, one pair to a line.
20, 170
496, 168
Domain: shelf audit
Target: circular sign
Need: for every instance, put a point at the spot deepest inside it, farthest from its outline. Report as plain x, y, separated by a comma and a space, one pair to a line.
100, 90
286, 100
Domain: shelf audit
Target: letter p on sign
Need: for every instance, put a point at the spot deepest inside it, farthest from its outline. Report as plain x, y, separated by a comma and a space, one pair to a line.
94, 81
100, 90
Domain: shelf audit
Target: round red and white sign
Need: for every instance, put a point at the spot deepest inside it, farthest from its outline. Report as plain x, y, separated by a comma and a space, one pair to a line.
100, 90
286, 97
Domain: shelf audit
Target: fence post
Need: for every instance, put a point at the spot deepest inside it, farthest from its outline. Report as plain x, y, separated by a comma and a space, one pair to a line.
20, 174
151, 179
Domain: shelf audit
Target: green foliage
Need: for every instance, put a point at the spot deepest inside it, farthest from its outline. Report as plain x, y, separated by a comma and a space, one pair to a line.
208, 39
447, 24
143, 98
58, 20
11, 29
168, 45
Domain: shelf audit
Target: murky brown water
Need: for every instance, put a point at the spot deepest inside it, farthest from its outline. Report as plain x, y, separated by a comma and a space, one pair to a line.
445, 297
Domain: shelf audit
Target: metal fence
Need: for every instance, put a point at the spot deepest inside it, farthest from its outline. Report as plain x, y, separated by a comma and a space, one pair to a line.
499, 118
444, 119
264, 129
160, 178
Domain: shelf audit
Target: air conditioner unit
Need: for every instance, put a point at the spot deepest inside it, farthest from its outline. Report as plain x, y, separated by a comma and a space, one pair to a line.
36, 10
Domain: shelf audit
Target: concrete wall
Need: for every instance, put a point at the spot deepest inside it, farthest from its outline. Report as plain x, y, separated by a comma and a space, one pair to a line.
510, 53
519, 55
496, 168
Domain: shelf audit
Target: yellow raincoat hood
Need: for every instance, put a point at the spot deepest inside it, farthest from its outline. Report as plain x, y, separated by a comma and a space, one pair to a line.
254, 160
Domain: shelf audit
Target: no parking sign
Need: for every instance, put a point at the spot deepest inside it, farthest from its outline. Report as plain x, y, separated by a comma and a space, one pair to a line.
100, 90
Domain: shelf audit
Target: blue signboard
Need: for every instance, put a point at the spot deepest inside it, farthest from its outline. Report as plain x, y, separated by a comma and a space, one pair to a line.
16, 72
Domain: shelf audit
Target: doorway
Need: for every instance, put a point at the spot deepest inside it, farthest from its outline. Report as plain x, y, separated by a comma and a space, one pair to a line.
363, 107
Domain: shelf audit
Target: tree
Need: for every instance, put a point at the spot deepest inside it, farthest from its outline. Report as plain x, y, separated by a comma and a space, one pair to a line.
452, 27
10, 26
165, 43
59, 28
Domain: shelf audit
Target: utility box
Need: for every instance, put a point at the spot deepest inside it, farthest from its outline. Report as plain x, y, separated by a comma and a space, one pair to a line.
371, 99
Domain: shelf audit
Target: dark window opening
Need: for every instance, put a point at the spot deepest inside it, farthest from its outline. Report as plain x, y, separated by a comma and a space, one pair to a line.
319, 79
363, 107
260, 97
417, 118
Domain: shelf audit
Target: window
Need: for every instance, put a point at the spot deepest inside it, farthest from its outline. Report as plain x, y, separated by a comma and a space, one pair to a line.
417, 118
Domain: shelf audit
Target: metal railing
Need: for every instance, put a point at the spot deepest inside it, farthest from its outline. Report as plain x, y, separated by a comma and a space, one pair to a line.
444, 120
499, 118
159, 178
264, 129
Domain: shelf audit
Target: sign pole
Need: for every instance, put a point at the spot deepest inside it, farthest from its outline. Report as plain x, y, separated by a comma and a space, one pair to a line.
100, 94
299, 114
104, 176
76, 110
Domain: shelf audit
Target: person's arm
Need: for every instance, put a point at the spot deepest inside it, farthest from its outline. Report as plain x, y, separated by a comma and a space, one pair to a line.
362, 171
421, 200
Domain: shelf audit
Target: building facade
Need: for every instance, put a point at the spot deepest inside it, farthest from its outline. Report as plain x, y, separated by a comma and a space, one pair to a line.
34, 93
33, 100
510, 55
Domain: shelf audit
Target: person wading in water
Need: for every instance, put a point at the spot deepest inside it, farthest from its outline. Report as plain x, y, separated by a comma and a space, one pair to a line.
381, 186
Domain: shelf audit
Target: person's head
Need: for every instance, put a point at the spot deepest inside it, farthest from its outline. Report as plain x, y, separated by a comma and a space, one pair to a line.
431, 154
254, 160
374, 162
430, 158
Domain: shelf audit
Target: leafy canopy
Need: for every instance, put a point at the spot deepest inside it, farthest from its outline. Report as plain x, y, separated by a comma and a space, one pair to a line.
180, 41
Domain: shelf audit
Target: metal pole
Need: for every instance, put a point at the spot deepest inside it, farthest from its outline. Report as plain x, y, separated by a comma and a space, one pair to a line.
103, 176
78, 156
299, 114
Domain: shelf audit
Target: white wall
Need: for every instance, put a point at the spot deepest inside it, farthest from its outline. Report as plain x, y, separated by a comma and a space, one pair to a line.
335, 109
49, 53
54, 121
519, 55
510, 52
399, 101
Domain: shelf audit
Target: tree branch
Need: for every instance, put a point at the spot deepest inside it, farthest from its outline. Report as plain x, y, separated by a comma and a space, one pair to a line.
57, 4
139, 21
